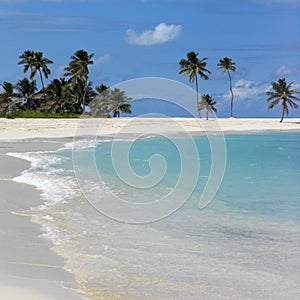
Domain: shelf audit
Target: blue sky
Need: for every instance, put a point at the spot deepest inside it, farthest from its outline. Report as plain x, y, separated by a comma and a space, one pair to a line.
138, 38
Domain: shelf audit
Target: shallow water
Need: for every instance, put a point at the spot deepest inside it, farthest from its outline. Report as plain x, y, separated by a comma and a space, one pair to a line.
244, 245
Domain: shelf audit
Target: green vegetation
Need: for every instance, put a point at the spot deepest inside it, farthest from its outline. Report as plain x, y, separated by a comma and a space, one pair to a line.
282, 93
78, 72
66, 97
36, 63
7, 96
74, 94
39, 115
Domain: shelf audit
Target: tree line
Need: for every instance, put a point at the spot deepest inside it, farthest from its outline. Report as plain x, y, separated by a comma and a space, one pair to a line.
282, 92
74, 92
71, 93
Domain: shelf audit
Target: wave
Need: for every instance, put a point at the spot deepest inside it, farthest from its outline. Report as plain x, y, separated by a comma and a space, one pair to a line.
46, 176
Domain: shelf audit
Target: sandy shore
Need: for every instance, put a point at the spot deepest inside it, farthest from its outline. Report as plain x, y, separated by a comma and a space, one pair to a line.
28, 268
31, 128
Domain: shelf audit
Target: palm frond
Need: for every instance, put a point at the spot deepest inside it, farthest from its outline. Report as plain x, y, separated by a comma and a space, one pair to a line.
274, 103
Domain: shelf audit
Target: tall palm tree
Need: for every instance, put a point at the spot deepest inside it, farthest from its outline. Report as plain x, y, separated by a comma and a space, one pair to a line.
40, 65
36, 63
26, 91
7, 97
78, 71
284, 94
207, 102
194, 66
227, 65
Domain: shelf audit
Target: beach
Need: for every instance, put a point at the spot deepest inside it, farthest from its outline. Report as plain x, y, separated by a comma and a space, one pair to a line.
29, 269
55, 128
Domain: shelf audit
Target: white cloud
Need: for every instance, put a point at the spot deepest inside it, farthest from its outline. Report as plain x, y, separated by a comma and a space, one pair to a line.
296, 86
286, 71
101, 60
161, 34
245, 89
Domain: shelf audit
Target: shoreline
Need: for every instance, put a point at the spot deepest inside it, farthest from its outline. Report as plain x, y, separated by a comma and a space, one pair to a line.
29, 269
39, 274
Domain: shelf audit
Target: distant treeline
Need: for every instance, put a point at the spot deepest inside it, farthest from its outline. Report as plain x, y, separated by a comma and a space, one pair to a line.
74, 94
67, 96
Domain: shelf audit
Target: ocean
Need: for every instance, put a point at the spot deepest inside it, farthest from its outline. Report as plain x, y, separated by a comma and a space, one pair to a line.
103, 209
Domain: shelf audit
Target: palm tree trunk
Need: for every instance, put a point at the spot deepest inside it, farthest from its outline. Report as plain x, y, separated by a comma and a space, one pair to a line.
83, 97
207, 115
282, 116
44, 94
231, 103
197, 96
10, 110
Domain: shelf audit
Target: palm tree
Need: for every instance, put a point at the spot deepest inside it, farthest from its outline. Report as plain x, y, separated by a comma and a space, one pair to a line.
40, 65
102, 104
7, 96
227, 65
207, 102
36, 63
27, 58
80, 90
194, 66
60, 94
78, 71
26, 91
284, 94
120, 102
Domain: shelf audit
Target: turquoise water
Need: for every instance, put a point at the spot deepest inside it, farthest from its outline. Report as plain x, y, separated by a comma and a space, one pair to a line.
262, 176
244, 245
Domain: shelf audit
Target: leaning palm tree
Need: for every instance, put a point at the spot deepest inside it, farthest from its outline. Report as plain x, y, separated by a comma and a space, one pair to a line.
194, 66
227, 65
282, 94
78, 71
207, 102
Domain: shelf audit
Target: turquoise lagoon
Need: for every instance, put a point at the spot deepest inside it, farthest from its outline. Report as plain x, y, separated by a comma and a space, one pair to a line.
244, 245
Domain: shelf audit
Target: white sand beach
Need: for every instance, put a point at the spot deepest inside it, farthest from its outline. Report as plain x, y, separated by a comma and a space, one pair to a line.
53, 128
28, 268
